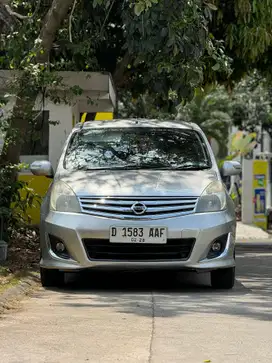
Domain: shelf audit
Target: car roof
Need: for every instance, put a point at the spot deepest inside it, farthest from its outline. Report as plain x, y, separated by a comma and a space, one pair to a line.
126, 123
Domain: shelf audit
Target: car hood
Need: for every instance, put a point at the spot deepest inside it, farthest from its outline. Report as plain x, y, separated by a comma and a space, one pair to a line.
139, 182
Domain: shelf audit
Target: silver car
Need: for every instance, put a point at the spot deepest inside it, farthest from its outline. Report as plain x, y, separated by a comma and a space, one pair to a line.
137, 193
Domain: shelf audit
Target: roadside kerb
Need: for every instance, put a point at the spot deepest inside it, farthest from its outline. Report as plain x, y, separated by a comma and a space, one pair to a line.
255, 244
11, 295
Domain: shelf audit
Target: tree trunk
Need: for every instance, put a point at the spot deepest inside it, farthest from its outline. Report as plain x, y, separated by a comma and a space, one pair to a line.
26, 96
6, 20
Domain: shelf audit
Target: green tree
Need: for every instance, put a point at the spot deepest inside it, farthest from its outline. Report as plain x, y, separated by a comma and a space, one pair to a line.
32, 63
163, 53
211, 110
163, 50
160, 52
252, 104
245, 28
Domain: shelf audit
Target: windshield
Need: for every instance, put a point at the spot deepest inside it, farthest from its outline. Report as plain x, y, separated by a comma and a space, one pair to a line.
136, 148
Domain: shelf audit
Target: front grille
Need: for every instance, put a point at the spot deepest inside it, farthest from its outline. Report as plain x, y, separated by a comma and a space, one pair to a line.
121, 208
175, 249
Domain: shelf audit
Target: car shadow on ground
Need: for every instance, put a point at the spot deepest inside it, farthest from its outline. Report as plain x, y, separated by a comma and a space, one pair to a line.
141, 281
168, 294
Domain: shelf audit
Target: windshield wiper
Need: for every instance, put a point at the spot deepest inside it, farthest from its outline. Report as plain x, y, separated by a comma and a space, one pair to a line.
128, 167
184, 167
120, 167
153, 166
146, 167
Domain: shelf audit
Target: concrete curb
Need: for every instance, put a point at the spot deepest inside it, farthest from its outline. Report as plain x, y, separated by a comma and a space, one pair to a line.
255, 244
14, 294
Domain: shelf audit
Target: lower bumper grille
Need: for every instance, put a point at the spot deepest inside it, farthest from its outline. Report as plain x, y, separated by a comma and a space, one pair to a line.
175, 249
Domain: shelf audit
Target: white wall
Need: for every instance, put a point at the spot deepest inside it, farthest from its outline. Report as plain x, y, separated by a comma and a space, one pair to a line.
247, 192
58, 133
97, 106
98, 86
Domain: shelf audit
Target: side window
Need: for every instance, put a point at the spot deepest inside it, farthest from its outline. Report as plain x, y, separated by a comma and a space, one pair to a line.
37, 140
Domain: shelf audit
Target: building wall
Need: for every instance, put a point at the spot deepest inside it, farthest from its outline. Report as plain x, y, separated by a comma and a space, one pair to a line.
98, 96
247, 192
59, 133
65, 116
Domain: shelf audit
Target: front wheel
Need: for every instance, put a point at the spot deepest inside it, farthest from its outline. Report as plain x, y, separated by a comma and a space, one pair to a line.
223, 278
51, 278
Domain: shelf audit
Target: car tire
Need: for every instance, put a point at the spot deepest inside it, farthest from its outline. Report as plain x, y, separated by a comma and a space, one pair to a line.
51, 278
223, 278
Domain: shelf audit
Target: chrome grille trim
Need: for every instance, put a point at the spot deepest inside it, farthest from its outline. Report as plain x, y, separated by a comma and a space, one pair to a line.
120, 207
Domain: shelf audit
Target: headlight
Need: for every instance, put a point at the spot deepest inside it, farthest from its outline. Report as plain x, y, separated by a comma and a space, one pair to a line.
213, 199
63, 199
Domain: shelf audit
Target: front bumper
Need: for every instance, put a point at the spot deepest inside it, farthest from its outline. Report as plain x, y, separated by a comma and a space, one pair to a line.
73, 228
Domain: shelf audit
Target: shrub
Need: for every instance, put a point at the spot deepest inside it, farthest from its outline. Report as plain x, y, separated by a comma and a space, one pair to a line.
15, 214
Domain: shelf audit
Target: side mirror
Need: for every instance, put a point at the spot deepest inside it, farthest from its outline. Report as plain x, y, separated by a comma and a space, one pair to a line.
42, 168
231, 168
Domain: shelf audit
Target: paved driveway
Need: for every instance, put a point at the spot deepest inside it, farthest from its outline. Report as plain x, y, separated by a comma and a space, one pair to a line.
138, 317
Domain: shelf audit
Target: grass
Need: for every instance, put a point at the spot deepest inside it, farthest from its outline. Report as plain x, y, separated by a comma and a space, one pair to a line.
7, 279
23, 258
4, 271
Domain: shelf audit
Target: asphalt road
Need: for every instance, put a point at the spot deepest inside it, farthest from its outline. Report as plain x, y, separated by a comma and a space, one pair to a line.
140, 317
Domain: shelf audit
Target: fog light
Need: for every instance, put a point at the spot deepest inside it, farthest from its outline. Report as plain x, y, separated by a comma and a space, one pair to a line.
216, 246
60, 247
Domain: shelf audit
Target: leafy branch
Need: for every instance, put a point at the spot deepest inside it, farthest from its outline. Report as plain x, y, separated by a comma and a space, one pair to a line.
20, 16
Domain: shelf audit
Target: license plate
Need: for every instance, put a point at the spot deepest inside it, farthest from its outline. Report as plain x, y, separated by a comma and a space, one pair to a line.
156, 235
